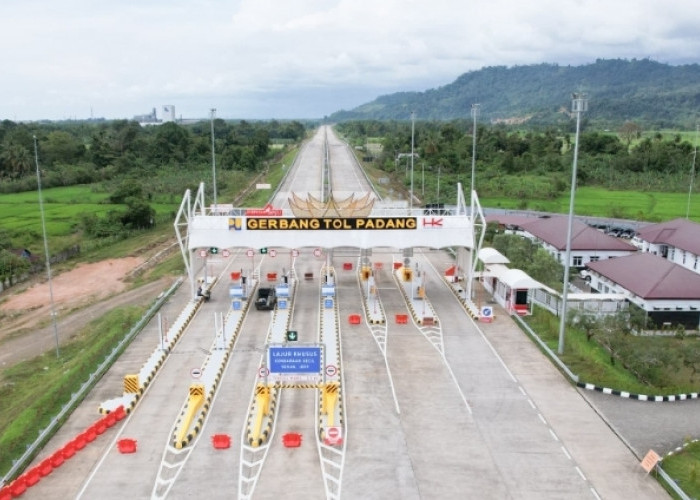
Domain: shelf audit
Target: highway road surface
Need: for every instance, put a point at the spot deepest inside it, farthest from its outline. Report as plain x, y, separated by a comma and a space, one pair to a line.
452, 409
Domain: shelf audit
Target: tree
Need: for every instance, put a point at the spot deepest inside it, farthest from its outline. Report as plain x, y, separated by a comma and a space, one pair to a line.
129, 188
61, 147
139, 214
15, 160
585, 321
613, 333
171, 143
629, 131
11, 266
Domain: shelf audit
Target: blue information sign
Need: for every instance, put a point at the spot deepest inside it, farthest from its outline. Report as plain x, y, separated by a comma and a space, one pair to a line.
294, 359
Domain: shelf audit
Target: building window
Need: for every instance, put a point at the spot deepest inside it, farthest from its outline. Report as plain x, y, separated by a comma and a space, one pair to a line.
595, 258
578, 261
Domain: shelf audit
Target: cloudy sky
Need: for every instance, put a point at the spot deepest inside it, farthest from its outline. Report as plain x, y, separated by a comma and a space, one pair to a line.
301, 58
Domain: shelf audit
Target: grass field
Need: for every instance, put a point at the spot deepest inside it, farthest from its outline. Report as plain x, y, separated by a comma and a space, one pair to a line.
33, 391
20, 213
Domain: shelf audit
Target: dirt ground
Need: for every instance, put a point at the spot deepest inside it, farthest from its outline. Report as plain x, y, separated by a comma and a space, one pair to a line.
80, 295
72, 289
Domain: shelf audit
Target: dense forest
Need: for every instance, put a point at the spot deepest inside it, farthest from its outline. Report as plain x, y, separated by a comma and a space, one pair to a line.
528, 165
650, 93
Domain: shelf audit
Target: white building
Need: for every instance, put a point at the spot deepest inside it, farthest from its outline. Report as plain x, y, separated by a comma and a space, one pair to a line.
168, 113
677, 240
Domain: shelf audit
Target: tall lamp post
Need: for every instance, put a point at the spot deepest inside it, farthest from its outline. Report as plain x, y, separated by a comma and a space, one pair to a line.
579, 104
213, 155
413, 130
46, 248
692, 174
475, 113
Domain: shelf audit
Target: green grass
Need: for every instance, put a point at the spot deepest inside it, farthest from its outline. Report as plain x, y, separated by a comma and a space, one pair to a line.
20, 214
591, 361
33, 391
684, 467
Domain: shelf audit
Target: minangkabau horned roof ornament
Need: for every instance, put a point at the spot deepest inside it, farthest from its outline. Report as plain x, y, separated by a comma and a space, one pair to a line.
348, 207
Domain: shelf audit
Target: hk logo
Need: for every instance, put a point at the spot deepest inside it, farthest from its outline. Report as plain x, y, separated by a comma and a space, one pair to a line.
432, 222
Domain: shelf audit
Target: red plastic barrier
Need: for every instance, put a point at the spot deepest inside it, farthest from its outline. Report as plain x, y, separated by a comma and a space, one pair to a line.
428, 321
5, 493
45, 467
291, 440
398, 265
347, 266
79, 442
110, 419
68, 450
378, 266
120, 413
354, 319
221, 441
90, 434
401, 319
18, 486
57, 459
271, 276
126, 445
236, 275
100, 426
32, 476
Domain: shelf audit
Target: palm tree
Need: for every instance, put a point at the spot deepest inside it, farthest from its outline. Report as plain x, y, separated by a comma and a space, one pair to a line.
15, 161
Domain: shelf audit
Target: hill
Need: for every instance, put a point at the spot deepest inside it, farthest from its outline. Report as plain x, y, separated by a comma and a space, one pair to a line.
650, 93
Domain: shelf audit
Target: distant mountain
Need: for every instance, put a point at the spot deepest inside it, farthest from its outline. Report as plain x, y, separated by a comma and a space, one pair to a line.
648, 92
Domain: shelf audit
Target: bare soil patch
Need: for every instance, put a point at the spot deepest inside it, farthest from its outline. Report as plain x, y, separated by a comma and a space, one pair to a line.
85, 284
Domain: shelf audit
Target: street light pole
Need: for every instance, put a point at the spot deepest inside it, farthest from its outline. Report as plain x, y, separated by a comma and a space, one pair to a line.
46, 248
213, 156
579, 104
692, 173
413, 129
475, 113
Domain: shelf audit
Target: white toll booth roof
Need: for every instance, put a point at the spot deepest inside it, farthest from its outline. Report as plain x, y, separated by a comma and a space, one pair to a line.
513, 278
492, 256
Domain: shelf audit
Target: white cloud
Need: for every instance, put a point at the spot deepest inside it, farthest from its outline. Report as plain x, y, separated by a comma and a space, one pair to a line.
279, 58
